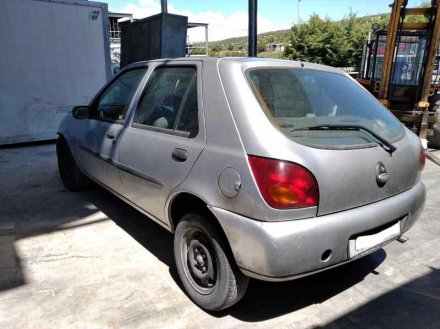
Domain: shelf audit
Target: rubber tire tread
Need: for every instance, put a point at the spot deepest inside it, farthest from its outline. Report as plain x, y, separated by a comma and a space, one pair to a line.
72, 177
232, 284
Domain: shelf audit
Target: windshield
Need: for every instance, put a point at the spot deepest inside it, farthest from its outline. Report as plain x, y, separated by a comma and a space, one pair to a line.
299, 98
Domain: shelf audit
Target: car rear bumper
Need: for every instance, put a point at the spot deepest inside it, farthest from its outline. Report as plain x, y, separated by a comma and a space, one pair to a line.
279, 251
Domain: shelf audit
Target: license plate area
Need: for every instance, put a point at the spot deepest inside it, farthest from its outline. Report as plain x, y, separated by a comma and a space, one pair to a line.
368, 242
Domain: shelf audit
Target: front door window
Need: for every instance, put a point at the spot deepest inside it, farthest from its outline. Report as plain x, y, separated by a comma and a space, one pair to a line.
114, 102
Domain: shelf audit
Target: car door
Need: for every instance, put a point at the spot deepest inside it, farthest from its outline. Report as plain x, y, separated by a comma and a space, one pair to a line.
99, 136
165, 137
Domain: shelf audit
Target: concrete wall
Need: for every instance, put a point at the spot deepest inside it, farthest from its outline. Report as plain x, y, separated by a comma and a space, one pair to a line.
53, 55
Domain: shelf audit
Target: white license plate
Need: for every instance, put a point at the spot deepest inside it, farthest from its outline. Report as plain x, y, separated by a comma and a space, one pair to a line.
365, 243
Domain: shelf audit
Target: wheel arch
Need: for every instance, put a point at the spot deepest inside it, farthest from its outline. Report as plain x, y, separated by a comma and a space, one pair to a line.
64, 137
182, 203
185, 202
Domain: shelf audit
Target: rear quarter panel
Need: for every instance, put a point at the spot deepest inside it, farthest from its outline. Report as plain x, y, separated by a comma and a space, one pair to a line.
225, 149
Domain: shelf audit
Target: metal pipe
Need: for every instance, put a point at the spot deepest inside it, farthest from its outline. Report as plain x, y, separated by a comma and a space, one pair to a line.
206, 41
393, 28
373, 70
164, 6
430, 54
252, 37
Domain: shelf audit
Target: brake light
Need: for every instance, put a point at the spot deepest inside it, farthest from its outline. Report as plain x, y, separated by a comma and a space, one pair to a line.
284, 185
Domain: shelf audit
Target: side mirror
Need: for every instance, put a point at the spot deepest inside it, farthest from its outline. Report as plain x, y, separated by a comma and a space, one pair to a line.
81, 112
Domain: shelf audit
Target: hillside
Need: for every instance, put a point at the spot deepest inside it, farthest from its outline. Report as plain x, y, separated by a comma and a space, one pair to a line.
240, 43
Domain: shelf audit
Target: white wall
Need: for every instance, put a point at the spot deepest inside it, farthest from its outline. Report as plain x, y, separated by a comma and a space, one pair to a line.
53, 56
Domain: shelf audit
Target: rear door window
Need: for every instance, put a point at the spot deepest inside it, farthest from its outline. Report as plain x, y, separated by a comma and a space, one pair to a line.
169, 101
298, 98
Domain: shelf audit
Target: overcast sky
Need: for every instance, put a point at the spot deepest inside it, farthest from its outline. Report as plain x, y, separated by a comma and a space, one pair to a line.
228, 18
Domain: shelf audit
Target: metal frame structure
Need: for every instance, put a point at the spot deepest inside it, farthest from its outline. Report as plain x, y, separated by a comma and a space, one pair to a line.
206, 46
164, 9
252, 37
413, 107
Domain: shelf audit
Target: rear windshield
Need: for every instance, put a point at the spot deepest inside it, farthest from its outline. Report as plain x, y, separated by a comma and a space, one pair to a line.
299, 98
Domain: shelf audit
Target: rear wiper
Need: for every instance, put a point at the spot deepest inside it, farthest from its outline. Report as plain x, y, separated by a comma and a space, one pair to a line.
386, 145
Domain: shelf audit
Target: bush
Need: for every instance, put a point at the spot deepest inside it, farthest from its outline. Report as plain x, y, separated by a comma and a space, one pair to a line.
335, 43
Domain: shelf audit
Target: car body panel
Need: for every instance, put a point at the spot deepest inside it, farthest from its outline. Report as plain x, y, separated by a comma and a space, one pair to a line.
225, 149
145, 183
277, 251
267, 243
346, 177
97, 151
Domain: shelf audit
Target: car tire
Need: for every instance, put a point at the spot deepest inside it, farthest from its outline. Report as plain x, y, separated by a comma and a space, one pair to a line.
209, 277
71, 176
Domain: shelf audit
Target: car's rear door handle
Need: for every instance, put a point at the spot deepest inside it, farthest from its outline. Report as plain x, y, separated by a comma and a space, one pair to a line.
180, 155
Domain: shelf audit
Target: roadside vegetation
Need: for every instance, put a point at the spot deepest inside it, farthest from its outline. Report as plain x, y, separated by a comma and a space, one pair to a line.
319, 40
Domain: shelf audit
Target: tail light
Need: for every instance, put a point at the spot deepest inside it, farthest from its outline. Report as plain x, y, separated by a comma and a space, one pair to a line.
284, 185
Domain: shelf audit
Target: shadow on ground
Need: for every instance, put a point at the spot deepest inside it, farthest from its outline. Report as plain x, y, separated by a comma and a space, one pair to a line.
407, 307
275, 299
263, 301
282, 297
266, 300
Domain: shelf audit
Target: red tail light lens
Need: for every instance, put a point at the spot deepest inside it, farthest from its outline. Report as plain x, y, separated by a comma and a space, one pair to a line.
284, 185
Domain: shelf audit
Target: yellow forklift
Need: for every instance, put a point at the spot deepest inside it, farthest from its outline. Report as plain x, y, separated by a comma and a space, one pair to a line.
400, 68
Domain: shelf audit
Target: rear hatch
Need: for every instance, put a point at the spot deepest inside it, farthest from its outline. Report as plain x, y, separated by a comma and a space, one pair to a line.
349, 137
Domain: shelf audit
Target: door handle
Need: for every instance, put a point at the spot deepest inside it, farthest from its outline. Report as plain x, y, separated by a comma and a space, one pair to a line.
179, 155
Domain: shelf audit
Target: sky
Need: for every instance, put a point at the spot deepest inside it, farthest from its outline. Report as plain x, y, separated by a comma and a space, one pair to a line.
229, 18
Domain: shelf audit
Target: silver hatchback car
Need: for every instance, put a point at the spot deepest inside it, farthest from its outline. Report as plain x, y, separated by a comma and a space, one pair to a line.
261, 168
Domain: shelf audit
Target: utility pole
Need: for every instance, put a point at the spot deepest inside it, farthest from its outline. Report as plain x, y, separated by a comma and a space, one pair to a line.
164, 6
252, 34
299, 19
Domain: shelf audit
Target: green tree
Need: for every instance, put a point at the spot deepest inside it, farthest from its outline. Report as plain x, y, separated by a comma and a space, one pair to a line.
199, 51
261, 46
335, 43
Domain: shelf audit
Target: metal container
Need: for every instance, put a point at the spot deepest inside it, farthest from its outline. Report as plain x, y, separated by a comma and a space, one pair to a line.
159, 36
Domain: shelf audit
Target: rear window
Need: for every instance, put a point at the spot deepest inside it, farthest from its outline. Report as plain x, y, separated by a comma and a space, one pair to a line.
299, 98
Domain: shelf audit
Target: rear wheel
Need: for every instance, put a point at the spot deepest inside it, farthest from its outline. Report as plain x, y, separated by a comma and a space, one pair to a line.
210, 279
73, 179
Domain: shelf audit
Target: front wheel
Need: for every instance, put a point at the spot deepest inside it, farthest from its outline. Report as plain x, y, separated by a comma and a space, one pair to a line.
72, 177
200, 252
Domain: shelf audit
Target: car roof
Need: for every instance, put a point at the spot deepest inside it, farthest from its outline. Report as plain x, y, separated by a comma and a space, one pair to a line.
248, 61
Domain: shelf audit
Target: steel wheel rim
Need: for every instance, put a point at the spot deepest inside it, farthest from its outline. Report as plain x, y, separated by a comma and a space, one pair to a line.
199, 260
